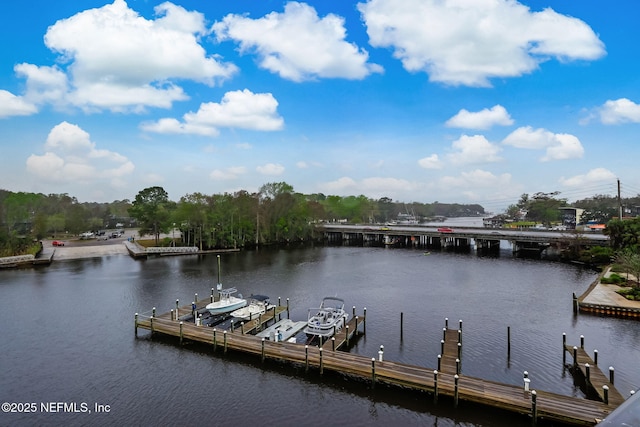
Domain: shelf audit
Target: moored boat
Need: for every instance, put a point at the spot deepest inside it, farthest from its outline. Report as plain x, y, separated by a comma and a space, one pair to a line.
227, 302
258, 305
327, 319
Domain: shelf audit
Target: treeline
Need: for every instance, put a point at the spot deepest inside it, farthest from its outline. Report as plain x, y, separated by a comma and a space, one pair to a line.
276, 213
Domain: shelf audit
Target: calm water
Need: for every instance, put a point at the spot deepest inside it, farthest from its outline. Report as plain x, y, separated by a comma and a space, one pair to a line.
68, 336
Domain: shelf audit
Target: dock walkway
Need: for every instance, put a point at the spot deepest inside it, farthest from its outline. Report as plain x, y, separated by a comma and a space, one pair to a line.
446, 382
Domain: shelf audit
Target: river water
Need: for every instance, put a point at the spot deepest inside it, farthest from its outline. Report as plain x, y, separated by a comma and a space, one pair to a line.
68, 337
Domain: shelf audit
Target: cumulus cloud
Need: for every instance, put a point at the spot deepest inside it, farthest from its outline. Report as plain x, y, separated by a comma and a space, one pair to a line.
297, 44
484, 119
559, 146
470, 42
271, 169
115, 59
71, 157
473, 149
374, 187
594, 176
12, 105
476, 183
430, 162
228, 173
238, 109
619, 111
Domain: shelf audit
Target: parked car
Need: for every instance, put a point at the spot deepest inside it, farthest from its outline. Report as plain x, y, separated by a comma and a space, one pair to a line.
57, 243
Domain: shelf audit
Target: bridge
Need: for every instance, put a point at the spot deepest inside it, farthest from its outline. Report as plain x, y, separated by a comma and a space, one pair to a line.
461, 237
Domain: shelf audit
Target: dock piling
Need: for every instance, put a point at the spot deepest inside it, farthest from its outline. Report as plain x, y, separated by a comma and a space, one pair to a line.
582, 341
587, 370
508, 342
435, 386
401, 324
195, 297
153, 311
534, 408
333, 343
263, 350
605, 391
439, 362
446, 322
215, 342
373, 372
181, 324
321, 367
441, 346
225, 342
444, 334
456, 379
611, 376
575, 356
595, 357
347, 334
136, 324
306, 358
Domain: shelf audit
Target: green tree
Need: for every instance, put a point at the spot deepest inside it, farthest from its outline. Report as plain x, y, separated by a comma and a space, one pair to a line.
152, 208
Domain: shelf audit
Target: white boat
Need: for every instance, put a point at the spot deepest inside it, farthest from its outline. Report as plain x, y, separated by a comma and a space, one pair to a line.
327, 319
258, 305
226, 302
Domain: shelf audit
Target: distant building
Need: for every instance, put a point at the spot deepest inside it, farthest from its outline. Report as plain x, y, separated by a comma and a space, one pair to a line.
571, 217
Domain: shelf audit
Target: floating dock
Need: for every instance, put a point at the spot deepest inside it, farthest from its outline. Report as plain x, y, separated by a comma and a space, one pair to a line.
448, 380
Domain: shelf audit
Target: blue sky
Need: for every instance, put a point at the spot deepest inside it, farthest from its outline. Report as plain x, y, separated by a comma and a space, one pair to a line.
460, 101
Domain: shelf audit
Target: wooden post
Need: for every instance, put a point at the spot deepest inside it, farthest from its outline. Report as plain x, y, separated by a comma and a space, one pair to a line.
215, 341
196, 298
136, 324
456, 378
460, 322
564, 348
401, 324
587, 370
306, 358
439, 362
575, 356
373, 372
444, 334
151, 324
611, 376
582, 341
320, 353
460, 336
508, 341
263, 350
153, 311
242, 328
225, 342
211, 295
346, 328
605, 391
534, 407
441, 346
575, 304
459, 351
353, 311
595, 357
177, 306
181, 332
333, 343
446, 322
458, 366
435, 386
364, 322
172, 314
287, 309
355, 331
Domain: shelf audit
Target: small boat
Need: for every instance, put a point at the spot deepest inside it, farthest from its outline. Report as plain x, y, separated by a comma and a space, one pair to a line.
227, 302
327, 319
258, 305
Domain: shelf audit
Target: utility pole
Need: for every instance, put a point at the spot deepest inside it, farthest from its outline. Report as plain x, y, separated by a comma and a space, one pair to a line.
619, 202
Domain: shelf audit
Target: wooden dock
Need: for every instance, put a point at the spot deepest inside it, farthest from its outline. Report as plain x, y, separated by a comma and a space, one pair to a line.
594, 377
448, 381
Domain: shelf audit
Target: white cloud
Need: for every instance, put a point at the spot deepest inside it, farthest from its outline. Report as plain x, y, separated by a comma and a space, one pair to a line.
271, 169
484, 119
619, 111
228, 174
118, 60
302, 165
11, 105
373, 187
238, 109
559, 146
72, 157
474, 149
594, 176
297, 44
476, 183
468, 42
431, 162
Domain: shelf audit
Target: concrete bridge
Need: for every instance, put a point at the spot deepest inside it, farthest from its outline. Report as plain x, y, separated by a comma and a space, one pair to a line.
461, 237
